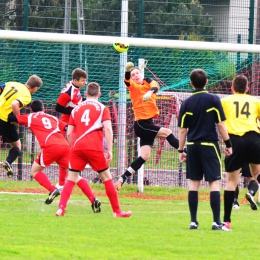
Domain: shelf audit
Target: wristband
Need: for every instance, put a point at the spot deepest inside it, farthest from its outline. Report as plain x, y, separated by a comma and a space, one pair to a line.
228, 143
180, 151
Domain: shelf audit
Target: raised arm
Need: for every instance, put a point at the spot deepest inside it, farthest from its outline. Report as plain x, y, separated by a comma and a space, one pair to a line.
129, 65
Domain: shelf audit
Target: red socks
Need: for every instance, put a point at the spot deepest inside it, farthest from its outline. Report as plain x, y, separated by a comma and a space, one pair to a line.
84, 186
62, 176
44, 181
65, 194
112, 195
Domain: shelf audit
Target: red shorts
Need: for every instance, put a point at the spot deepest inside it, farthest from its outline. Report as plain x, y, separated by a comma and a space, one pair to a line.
54, 153
80, 158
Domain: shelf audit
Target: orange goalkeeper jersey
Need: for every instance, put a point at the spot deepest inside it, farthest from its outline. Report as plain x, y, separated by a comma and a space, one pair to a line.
142, 110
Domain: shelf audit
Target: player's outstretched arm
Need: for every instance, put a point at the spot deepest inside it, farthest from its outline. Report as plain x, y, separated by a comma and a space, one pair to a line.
70, 133
182, 138
224, 134
63, 110
154, 89
108, 132
129, 65
12, 118
16, 105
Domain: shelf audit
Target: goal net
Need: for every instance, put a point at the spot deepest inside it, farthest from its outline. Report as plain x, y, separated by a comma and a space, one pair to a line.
54, 56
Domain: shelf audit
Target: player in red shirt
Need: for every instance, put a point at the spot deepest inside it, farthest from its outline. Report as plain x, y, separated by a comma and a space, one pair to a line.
70, 97
85, 134
55, 147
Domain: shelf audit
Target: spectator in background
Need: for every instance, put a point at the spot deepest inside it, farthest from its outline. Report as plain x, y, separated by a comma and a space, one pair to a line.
14, 96
242, 112
199, 116
142, 93
89, 121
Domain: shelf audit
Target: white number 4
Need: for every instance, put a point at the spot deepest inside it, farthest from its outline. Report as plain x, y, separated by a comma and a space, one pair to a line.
85, 117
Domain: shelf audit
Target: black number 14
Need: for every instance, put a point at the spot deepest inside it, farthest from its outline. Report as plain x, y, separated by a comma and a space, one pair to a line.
244, 110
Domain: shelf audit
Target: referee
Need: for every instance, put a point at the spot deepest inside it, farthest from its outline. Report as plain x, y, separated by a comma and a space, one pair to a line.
242, 112
200, 114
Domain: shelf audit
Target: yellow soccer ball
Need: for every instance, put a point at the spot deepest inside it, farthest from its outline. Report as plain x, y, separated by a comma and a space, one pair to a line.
121, 45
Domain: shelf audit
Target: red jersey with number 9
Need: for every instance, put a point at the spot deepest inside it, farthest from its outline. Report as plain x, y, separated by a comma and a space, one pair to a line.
87, 119
46, 128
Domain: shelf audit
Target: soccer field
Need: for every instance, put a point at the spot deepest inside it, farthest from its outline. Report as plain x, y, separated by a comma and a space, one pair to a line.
158, 229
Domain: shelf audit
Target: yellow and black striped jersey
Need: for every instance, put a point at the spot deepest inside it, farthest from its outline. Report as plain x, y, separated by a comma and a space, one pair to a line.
242, 111
13, 91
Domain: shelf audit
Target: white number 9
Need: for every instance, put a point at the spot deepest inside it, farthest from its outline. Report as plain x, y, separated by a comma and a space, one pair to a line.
46, 123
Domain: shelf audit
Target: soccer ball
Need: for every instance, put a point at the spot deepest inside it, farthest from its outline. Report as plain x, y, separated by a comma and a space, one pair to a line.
121, 45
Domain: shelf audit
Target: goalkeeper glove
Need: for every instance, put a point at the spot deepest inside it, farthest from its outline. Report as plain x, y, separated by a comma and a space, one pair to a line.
129, 65
147, 95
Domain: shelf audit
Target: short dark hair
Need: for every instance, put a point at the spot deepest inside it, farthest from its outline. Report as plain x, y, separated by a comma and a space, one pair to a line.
93, 89
79, 73
198, 77
37, 105
240, 83
34, 81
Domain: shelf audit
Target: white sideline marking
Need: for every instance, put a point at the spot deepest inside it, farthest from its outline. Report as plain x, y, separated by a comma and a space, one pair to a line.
20, 193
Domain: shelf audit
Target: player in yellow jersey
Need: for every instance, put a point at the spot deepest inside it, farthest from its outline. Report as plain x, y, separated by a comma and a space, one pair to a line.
252, 188
142, 94
242, 112
14, 97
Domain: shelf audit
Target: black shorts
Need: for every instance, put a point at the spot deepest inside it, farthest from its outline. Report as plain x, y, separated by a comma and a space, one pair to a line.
146, 130
246, 149
203, 159
246, 171
8, 132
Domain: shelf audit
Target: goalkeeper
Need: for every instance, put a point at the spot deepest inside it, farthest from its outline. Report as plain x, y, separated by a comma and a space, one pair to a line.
142, 94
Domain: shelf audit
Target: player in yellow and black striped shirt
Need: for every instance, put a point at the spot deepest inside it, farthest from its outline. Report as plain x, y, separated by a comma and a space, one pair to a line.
242, 112
14, 97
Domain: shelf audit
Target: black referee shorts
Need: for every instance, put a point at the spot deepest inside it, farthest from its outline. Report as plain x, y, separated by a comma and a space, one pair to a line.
246, 171
8, 132
203, 159
146, 130
246, 149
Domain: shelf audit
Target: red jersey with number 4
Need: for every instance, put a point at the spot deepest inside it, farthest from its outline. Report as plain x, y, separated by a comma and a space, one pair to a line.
70, 97
45, 127
87, 119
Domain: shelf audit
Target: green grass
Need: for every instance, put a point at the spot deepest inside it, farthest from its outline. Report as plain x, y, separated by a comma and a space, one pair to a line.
158, 229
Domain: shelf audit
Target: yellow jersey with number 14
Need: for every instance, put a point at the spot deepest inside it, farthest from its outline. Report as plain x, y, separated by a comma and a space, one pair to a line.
13, 91
242, 112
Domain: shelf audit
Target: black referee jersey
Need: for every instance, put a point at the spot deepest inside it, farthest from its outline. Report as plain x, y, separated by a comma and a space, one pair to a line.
199, 114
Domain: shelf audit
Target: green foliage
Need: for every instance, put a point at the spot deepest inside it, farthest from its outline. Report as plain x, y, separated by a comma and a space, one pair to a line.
47, 15
161, 19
